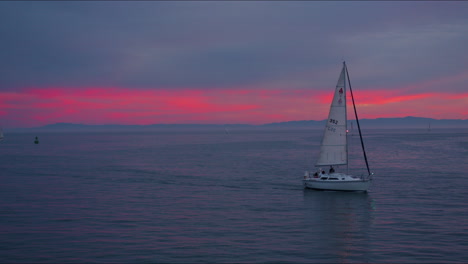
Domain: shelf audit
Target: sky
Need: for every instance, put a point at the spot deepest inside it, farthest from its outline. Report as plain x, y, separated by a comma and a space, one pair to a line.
228, 62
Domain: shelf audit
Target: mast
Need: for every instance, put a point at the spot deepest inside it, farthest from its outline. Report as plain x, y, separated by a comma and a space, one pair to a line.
357, 121
346, 122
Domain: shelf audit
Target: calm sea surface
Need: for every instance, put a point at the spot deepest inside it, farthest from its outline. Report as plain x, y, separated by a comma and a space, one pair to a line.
211, 197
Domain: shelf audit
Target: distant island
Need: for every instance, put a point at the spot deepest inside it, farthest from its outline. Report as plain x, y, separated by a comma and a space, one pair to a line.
398, 122
383, 123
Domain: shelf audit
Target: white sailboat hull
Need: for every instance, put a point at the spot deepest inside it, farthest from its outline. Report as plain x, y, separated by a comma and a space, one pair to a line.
337, 182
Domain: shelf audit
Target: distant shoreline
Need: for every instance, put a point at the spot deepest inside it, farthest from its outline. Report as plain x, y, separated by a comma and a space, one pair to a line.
378, 123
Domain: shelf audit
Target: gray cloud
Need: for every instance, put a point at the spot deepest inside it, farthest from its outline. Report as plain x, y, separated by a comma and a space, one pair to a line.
228, 44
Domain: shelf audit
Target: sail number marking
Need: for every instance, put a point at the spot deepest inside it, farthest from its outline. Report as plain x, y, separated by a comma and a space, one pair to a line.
333, 121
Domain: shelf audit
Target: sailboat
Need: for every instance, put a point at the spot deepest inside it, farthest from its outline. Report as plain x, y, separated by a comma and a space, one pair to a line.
1, 134
334, 147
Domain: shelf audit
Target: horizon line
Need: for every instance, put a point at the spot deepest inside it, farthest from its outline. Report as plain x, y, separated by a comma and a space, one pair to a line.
226, 124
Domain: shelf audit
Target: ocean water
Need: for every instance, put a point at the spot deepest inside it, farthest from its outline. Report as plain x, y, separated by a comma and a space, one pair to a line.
213, 197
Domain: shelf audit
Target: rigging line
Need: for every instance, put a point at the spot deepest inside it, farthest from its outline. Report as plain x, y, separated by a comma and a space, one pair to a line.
357, 121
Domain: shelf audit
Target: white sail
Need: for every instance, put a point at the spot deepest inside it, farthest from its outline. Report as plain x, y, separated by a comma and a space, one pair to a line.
333, 150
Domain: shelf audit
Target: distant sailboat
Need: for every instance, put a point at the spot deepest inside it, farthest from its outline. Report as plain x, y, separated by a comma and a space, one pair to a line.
1, 134
36, 141
334, 147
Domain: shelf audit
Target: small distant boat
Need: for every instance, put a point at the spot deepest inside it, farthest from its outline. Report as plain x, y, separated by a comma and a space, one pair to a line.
334, 147
36, 141
1, 134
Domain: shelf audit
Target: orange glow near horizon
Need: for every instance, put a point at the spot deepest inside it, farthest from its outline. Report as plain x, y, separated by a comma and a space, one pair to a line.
107, 105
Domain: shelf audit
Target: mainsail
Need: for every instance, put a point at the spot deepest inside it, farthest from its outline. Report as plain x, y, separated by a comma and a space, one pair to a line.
333, 150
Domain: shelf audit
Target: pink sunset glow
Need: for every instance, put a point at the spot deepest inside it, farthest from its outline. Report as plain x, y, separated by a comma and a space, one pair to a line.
104, 105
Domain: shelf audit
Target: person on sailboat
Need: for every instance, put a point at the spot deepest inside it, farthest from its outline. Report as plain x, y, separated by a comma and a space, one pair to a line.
332, 170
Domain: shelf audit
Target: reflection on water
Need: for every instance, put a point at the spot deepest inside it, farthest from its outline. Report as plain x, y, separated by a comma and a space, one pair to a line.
341, 221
